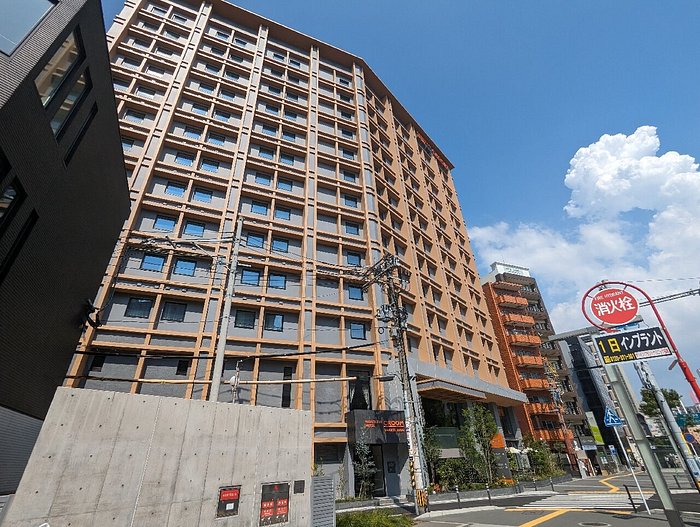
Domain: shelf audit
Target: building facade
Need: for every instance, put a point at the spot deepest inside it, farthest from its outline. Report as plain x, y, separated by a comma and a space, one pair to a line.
226, 117
63, 200
533, 364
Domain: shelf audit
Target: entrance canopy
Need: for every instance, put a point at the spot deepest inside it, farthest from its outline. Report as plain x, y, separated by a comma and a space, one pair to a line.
447, 391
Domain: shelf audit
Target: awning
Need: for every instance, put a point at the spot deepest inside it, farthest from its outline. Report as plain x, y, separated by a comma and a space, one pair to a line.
447, 391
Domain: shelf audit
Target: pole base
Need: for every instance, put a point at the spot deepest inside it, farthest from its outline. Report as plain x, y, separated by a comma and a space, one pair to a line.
674, 518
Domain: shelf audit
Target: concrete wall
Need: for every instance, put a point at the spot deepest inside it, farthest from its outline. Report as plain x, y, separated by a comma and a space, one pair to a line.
107, 458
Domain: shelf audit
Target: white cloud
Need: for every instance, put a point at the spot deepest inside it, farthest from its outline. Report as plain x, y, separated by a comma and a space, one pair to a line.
610, 178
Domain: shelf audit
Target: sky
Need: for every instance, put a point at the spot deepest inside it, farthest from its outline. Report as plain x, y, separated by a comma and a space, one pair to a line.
573, 127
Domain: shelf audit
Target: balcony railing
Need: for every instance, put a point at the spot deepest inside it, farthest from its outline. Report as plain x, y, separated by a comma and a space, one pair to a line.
511, 301
534, 384
541, 408
524, 339
518, 320
528, 361
557, 434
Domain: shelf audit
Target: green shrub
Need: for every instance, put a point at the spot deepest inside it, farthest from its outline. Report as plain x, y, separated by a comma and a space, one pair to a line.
376, 518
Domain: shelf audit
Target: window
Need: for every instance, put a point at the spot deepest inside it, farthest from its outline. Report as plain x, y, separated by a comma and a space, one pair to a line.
184, 159
202, 195
263, 179
155, 70
266, 153
345, 98
175, 189
255, 240
166, 52
269, 108
194, 228
18, 19
240, 42
134, 116
352, 228
152, 262
211, 68
11, 197
164, 223
158, 10
278, 56
206, 88
350, 201
216, 51
144, 91
244, 319
280, 245
98, 361
138, 308
277, 281
199, 109
349, 176
179, 18
232, 75
250, 277
172, 34
269, 130
127, 144
185, 267
348, 154
209, 165
192, 133
295, 63
344, 81
274, 89
287, 388
293, 79
354, 259
346, 115
285, 184
216, 139
287, 159
131, 63
355, 292
59, 65
227, 95
120, 85
274, 322
347, 133
358, 331
71, 102
289, 136
359, 394
258, 207
292, 97
283, 213
173, 312
291, 115
276, 73
222, 35
222, 116
182, 368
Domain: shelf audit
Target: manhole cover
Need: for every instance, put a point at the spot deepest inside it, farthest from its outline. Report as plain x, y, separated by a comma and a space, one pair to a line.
594, 524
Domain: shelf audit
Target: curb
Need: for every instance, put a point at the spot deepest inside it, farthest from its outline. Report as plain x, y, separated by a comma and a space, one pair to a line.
437, 514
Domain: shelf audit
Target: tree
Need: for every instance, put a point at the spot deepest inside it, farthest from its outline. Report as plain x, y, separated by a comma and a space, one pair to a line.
364, 467
649, 406
432, 451
474, 442
541, 458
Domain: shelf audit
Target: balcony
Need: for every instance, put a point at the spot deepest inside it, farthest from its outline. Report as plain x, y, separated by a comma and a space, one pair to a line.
556, 434
518, 320
524, 339
528, 361
534, 384
540, 408
511, 301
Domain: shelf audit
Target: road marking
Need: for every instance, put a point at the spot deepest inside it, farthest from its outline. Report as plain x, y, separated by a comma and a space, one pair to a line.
544, 518
543, 509
613, 488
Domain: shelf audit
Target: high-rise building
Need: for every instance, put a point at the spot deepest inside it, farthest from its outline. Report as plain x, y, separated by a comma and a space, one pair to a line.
227, 116
63, 200
533, 364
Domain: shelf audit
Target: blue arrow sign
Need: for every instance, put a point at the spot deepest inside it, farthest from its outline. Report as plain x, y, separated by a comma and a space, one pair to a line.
611, 418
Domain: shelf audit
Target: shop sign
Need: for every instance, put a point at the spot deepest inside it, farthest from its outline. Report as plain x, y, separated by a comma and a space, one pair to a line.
376, 427
631, 346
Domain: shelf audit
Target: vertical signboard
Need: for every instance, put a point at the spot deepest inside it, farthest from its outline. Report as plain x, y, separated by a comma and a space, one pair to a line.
274, 503
229, 498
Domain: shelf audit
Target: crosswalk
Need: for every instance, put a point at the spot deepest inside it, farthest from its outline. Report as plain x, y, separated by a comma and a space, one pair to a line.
574, 500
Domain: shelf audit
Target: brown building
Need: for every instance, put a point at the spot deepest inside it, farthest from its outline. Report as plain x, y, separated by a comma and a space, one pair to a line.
532, 364
225, 116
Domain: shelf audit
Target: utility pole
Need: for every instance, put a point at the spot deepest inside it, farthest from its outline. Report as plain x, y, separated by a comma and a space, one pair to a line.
225, 315
676, 436
384, 273
629, 410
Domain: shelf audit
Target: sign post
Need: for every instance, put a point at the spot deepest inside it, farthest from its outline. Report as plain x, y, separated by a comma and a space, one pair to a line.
612, 420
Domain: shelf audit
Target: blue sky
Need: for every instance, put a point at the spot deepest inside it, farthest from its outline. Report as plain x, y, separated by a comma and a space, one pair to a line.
511, 91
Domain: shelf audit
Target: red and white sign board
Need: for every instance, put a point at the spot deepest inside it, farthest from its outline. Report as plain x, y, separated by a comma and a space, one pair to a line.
614, 306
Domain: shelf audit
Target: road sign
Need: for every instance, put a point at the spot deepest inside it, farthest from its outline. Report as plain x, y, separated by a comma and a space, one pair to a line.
614, 306
630, 346
611, 418
613, 450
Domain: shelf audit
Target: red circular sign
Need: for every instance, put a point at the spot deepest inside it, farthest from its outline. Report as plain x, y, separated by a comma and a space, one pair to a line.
614, 306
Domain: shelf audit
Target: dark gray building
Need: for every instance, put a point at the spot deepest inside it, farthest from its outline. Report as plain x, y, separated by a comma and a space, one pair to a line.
63, 199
